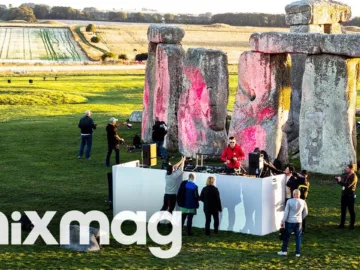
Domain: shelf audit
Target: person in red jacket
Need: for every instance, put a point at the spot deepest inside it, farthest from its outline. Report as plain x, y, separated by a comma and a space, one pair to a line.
233, 154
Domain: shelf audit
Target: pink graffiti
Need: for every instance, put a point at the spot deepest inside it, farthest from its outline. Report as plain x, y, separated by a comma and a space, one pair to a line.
145, 109
193, 111
266, 113
162, 89
251, 137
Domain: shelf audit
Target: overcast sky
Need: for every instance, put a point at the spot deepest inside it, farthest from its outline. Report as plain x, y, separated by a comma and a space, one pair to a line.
181, 6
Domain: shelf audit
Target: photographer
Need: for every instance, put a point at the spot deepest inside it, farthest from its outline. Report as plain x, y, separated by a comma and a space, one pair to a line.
348, 195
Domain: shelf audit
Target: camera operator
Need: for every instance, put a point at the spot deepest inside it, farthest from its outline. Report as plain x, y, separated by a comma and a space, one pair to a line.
348, 195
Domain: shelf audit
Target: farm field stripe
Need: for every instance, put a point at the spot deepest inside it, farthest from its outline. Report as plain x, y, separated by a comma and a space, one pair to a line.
47, 35
69, 39
24, 48
67, 45
45, 45
30, 53
2, 47
7, 53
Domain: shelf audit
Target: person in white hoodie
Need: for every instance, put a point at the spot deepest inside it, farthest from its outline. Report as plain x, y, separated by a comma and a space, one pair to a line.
295, 211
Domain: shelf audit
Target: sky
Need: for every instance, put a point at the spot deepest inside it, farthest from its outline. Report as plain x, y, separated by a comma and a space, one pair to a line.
183, 6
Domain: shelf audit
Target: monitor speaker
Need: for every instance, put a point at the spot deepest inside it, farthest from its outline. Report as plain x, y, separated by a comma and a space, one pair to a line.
256, 162
149, 154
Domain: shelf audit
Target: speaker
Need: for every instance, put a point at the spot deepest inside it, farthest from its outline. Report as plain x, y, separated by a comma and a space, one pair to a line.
256, 162
149, 154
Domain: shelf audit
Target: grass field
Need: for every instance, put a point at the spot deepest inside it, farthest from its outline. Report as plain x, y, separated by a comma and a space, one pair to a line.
231, 39
53, 44
40, 171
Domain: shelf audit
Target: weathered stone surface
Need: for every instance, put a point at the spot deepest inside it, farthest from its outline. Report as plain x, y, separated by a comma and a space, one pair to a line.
169, 77
161, 33
327, 135
262, 102
316, 12
148, 99
136, 116
293, 147
203, 102
357, 112
307, 28
297, 72
277, 42
348, 45
335, 28
74, 232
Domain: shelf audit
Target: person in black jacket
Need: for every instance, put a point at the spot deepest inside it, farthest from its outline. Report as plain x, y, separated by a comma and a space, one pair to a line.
348, 195
210, 196
113, 141
86, 125
304, 186
159, 131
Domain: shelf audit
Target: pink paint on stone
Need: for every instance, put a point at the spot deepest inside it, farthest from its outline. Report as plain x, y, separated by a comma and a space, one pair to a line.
266, 113
251, 137
162, 88
145, 109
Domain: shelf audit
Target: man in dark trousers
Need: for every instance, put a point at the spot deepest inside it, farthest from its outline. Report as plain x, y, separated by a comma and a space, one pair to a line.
348, 195
113, 141
159, 131
233, 154
86, 125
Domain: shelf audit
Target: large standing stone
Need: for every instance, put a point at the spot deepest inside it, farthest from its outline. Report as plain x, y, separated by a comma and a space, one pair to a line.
203, 103
277, 42
148, 99
161, 33
74, 233
262, 102
348, 45
169, 77
327, 119
297, 72
316, 12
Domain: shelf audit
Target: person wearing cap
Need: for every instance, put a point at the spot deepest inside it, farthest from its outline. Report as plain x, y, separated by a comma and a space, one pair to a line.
86, 125
113, 141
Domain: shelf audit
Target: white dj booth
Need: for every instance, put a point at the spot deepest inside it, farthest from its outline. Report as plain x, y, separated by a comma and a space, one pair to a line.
250, 205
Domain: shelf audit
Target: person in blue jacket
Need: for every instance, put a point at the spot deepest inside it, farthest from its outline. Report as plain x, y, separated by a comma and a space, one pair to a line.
188, 201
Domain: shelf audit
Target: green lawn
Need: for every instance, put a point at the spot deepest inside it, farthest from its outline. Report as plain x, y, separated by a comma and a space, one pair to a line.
40, 171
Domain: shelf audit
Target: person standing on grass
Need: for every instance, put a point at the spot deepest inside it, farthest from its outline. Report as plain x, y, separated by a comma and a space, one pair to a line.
348, 196
210, 196
172, 174
86, 125
113, 141
295, 212
188, 201
159, 131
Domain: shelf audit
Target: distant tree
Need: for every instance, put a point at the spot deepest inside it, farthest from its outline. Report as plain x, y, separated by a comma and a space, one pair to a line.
139, 17
156, 18
41, 11
21, 13
95, 39
169, 17
90, 28
117, 16
66, 13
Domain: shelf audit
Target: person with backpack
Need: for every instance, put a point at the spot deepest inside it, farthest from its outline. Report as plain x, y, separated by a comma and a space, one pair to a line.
210, 196
159, 130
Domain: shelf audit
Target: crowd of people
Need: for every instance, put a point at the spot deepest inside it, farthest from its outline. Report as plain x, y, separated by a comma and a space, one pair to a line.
187, 196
